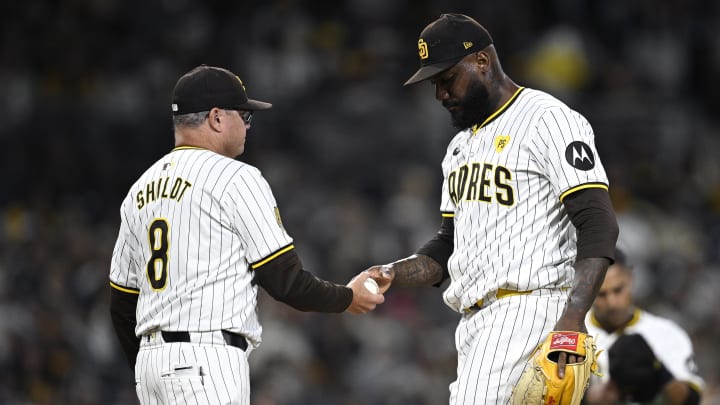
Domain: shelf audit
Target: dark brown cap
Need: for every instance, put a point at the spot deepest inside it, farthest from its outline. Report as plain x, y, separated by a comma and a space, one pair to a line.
447, 40
206, 87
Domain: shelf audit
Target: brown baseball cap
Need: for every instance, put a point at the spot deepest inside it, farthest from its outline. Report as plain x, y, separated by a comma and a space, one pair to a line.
447, 40
206, 87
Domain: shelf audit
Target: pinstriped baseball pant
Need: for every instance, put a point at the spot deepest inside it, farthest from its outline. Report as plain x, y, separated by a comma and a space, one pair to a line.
191, 373
495, 342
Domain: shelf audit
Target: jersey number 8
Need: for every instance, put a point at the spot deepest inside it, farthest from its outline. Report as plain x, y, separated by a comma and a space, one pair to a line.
157, 266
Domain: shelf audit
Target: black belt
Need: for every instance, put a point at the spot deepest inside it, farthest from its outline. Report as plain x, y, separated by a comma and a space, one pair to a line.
232, 339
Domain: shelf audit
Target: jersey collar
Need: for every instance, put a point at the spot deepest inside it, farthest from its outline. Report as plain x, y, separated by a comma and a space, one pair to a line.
500, 110
187, 147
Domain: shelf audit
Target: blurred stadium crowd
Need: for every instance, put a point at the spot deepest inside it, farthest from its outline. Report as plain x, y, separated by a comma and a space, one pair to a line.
354, 161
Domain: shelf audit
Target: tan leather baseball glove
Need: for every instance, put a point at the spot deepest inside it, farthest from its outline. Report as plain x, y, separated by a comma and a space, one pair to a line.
540, 384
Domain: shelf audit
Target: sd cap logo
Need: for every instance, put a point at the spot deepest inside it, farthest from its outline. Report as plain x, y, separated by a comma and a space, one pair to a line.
422, 49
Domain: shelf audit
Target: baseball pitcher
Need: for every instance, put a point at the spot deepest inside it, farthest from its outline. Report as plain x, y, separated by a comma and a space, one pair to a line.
527, 229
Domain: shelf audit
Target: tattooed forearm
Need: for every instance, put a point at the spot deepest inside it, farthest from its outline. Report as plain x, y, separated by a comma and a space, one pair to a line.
589, 276
417, 270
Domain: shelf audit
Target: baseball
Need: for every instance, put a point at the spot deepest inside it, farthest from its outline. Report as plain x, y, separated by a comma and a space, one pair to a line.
372, 286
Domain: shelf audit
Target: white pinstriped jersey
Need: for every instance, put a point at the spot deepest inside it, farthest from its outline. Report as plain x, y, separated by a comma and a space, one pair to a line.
668, 341
191, 227
504, 182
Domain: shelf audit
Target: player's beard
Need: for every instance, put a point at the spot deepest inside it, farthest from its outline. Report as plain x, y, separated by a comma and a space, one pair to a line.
474, 108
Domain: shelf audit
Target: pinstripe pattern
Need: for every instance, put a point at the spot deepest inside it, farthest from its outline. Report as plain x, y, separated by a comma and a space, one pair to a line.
190, 228
503, 183
494, 342
191, 373
529, 244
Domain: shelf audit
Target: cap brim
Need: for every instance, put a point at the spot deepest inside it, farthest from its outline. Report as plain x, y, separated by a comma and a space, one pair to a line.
429, 71
255, 105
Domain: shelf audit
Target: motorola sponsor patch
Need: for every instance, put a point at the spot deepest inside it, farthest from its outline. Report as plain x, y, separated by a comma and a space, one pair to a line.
580, 156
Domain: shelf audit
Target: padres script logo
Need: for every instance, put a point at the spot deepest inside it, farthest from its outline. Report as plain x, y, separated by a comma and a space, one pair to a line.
422, 49
482, 182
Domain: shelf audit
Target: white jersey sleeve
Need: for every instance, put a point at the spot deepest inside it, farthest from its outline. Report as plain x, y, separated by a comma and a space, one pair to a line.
124, 257
567, 151
259, 221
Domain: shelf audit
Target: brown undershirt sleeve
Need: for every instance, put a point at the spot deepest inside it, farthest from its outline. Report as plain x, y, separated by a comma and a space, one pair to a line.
591, 211
122, 313
440, 247
286, 281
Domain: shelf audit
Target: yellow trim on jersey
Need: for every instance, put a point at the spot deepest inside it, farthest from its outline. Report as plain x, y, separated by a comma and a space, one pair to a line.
500, 293
635, 318
448, 214
273, 256
504, 292
124, 289
476, 127
582, 187
188, 147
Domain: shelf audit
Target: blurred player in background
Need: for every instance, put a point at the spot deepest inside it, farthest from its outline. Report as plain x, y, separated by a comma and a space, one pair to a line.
199, 232
528, 228
647, 358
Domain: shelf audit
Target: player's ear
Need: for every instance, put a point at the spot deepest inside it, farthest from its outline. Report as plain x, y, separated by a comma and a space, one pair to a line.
215, 119
482, 58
